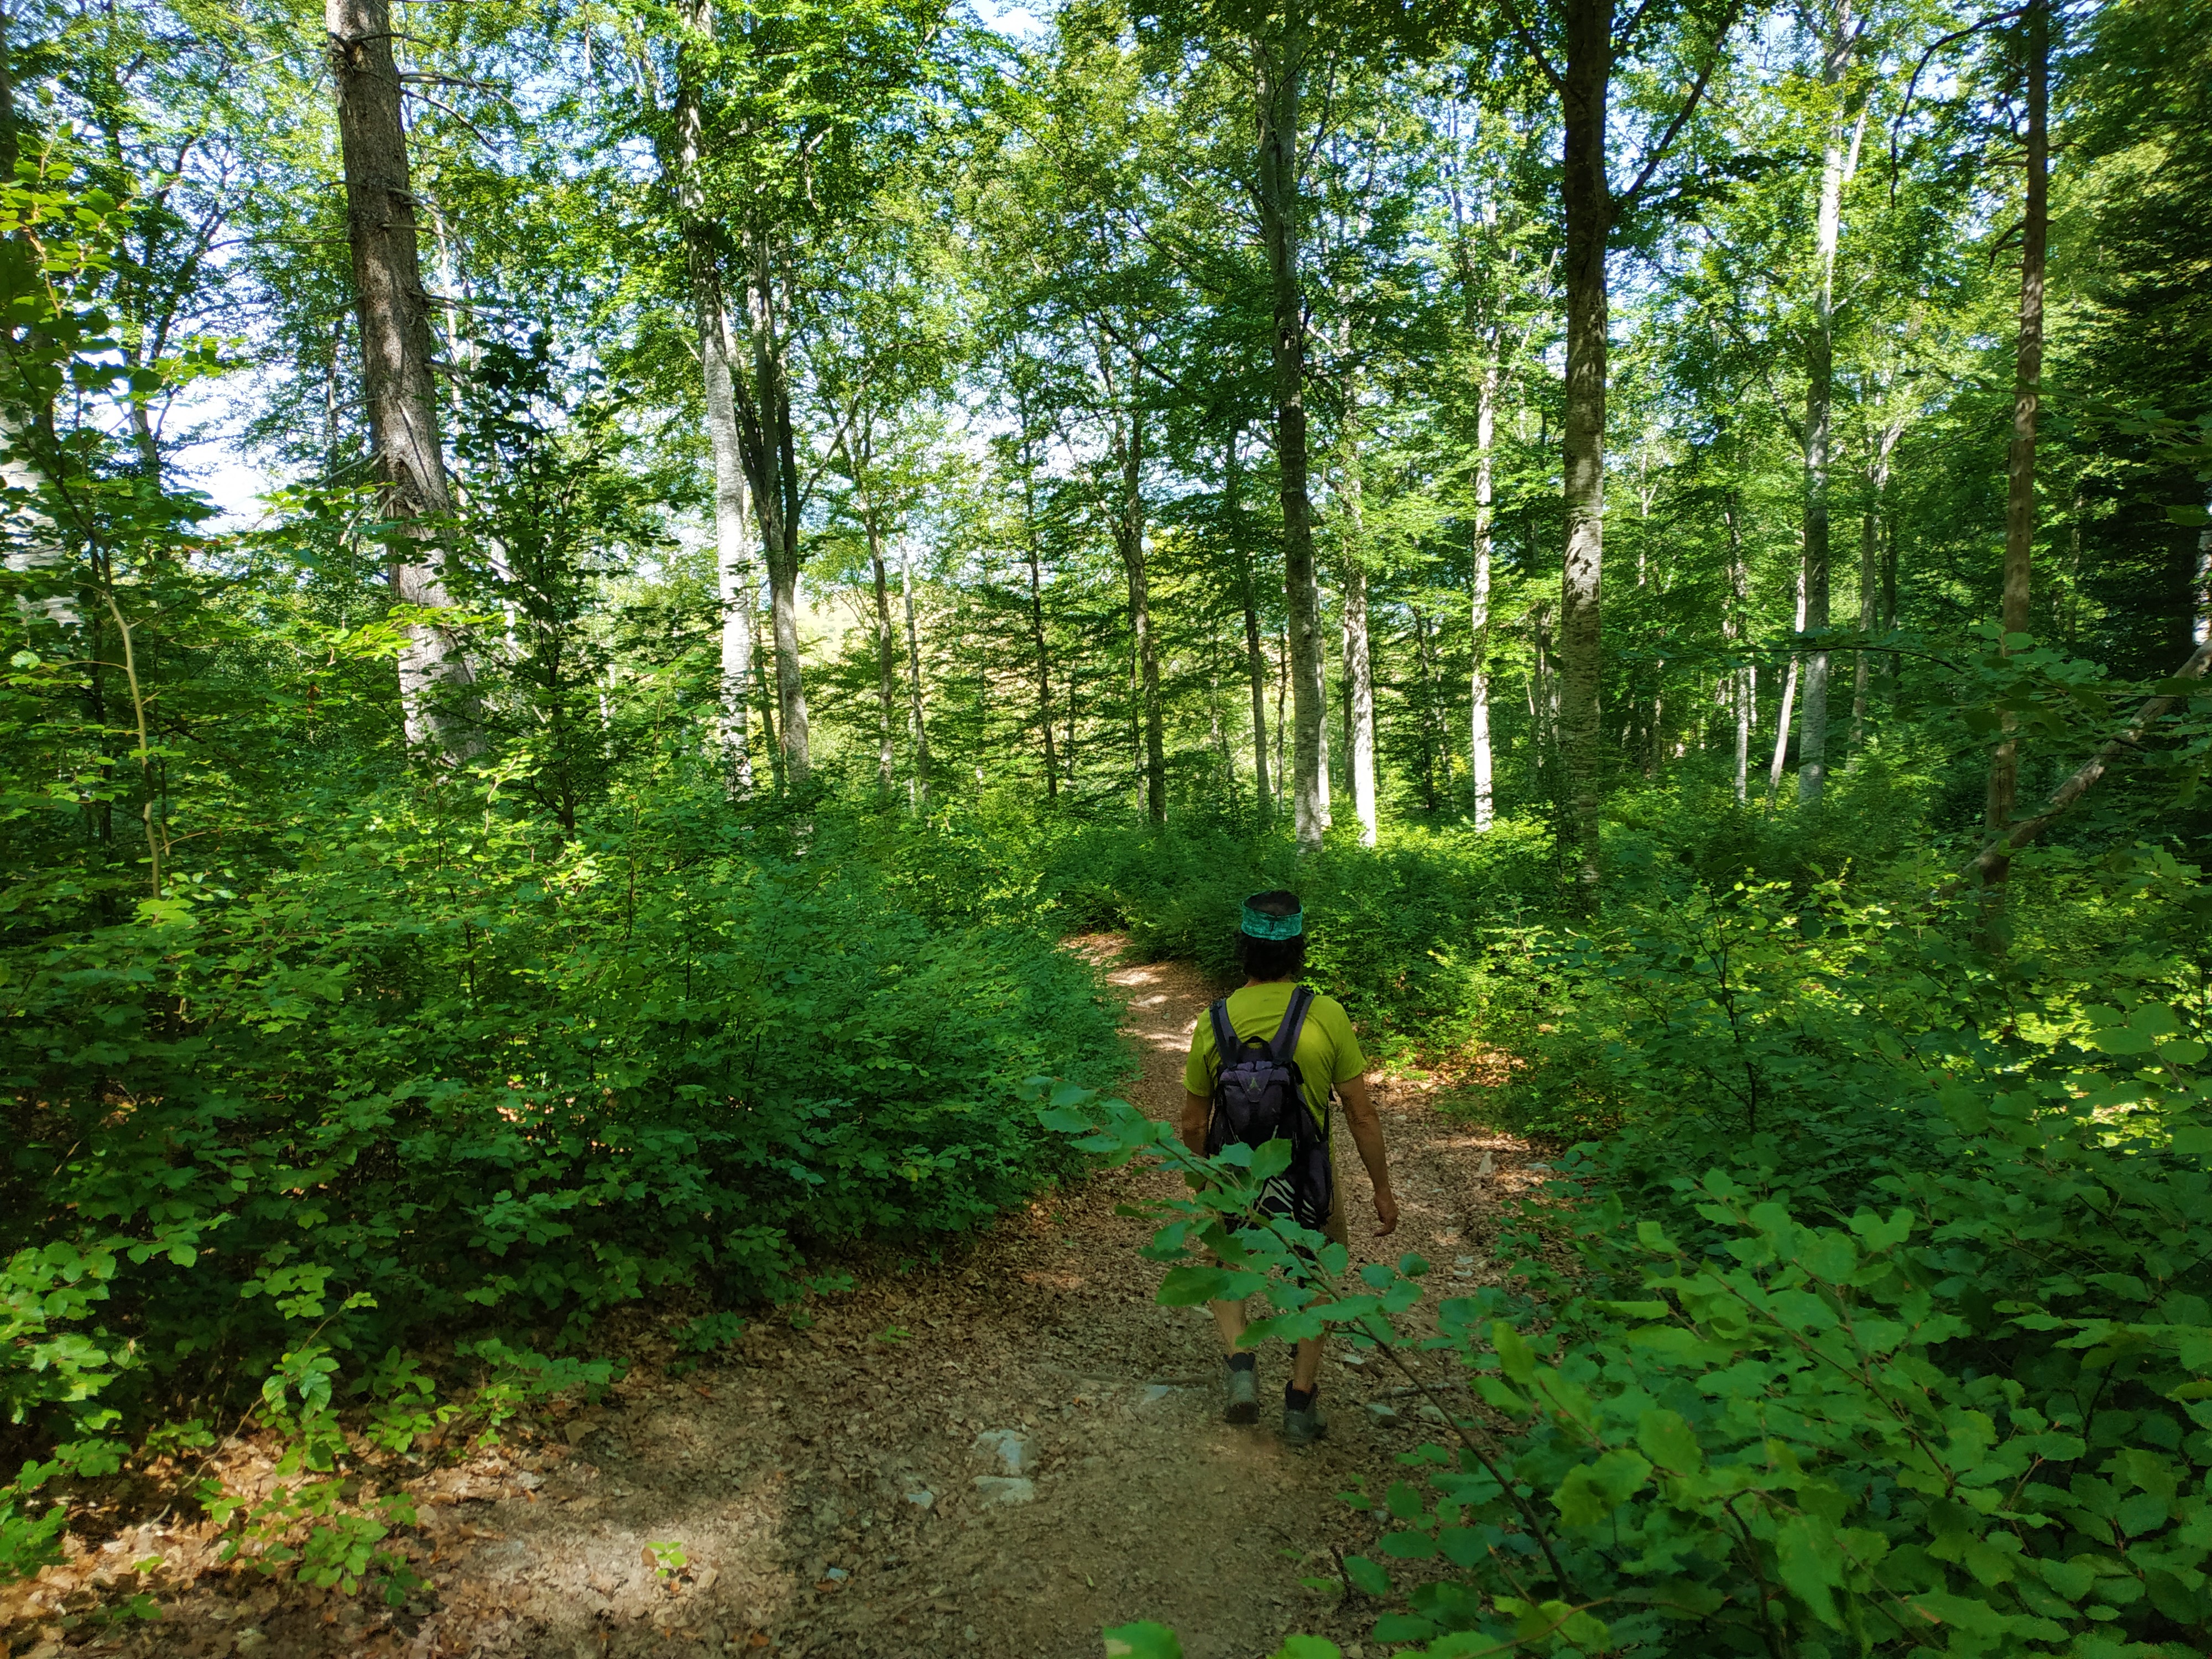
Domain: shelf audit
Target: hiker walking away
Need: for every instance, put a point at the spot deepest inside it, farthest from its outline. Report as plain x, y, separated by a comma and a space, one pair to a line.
1262, 1064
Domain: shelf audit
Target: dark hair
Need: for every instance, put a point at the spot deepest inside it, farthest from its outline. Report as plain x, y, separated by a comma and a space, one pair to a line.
1272, 958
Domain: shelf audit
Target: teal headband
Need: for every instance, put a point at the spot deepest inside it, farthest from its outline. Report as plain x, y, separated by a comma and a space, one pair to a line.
1259, 925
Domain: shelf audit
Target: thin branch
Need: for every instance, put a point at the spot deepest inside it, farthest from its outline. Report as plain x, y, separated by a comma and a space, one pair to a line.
1913, 85
1529, 44
1658, 154
2003, 848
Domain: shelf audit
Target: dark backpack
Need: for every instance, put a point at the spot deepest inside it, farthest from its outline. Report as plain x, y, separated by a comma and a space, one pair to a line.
1258, 1097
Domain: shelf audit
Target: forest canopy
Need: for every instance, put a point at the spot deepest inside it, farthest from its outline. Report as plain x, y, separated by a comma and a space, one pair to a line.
1682, 529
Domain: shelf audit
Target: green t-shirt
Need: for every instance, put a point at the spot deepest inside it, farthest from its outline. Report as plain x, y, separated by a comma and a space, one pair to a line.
1329, 1052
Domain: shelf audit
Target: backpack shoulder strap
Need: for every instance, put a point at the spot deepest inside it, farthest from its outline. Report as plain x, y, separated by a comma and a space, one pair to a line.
1286, 1045
1225, 1046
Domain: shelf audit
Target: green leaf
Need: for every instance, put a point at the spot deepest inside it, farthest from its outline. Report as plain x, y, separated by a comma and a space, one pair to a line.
1514, 1353
1593, 1490
1060, 1120
1809, 1557
1142, 1641
1270, 1159
1188, 1285
1408, 1546
1975, 1617
1307, 1647
1367, 1577
1403, 1627
1669, 1442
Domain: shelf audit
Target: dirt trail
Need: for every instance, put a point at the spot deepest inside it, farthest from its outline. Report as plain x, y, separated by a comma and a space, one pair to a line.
823, 1484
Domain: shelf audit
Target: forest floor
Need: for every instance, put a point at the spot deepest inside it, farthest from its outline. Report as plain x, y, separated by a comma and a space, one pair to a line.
998, 1454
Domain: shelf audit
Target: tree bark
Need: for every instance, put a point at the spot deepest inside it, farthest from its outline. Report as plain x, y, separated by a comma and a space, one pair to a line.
1036, 630
775, 492
1478, 764
1130, 535
2028, 391
1255, 659
1862, 673
917, 727
1789, 696
436, 686
733, 576
1358, 662
1839, 159
1588, 199
1746, 676
886, 661
1278, 69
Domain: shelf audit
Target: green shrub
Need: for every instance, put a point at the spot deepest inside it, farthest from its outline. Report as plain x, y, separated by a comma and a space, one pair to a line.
426, 1076
1973, 1413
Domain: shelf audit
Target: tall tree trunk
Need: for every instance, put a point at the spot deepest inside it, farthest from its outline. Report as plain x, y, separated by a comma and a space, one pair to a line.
918, 728
1255, 659
1745, 676
1359, 700
1036, 633
1282, 689
2027, 391
1358, 662
1788, 697
1486, 428
1146, 665
733, 576
1279, 66
1862, 673
775, 491
1544, 706
1587, 194
1436, 730
436, 687
1840, 159
886, 662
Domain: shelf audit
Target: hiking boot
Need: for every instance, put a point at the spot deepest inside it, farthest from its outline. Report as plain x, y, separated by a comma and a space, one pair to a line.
1244, 1405
1303, 1423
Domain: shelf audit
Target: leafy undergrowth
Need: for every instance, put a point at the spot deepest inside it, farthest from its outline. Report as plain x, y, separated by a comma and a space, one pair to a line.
1886, 1325
356, 1153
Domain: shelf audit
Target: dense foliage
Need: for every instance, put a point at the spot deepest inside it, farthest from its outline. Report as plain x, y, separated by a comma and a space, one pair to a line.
776, 515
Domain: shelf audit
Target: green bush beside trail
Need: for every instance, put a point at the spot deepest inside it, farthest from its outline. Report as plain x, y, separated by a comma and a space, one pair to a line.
421, 1077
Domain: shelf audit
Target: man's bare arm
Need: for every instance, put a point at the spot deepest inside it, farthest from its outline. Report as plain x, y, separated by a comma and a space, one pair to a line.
1366, 1125
1195, 1110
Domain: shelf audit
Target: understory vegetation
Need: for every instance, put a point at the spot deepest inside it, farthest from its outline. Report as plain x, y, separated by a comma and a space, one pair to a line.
1680, 529
1876, 1321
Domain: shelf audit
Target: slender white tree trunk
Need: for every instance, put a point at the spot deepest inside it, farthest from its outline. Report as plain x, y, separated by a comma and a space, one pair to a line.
1839, 160
1788, 697
1485, 426
917, 728
1745, 679
1358, 662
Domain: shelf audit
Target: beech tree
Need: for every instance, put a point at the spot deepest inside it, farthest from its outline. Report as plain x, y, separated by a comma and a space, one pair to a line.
1581, 44
393, 309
